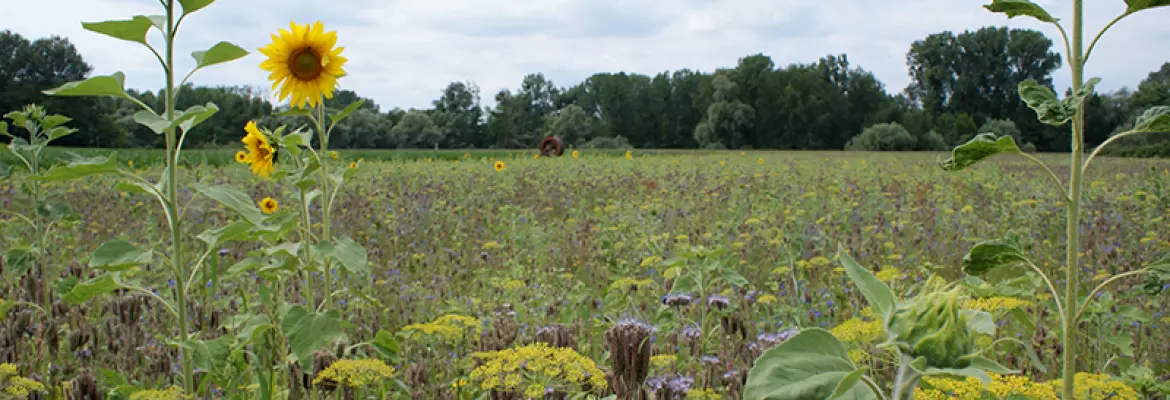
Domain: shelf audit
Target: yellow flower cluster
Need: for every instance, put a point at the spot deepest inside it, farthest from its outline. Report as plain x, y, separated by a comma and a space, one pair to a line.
448, 327
355, 373
1098, 387
505, 369
630, 284
767, 299
1089, 387
990, 304
890, 274
21, 387
171, 393
7, 370
508, 285
858, 356
703, 394
663, 360
858, 331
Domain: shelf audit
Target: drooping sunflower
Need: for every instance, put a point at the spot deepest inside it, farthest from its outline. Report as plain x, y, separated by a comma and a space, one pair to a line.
304, 63
242, 157
269, 205
499, 166
260, 155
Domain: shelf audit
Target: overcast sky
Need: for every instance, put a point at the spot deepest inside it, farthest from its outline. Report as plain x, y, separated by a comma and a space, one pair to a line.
403, 52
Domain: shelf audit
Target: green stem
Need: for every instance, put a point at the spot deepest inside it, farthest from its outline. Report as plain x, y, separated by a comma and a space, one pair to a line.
325, 221
1115, 278
172, 203
307, 233
1051, 175
1051, 288
873, 386
1100, 147
1072, 225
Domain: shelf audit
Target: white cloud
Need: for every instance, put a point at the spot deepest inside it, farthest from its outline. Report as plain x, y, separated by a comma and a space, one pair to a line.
402, 53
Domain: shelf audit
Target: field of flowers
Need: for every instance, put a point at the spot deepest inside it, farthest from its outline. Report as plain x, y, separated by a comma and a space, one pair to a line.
545, 274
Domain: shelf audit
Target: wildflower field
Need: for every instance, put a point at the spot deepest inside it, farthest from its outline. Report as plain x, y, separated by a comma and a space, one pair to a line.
586, 252
295, 271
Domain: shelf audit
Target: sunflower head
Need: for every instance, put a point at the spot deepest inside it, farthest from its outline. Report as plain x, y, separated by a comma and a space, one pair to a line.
536, 156
575, 153
352, 164
261, 155
304, 63
333, 155
242, 157
499, 166
629, 156
269, 205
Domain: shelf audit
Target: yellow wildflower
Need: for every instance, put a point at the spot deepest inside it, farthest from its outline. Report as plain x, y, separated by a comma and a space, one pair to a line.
990, 304
856, 330
355, 373
663, 360
506, 369
766, 299
171, 393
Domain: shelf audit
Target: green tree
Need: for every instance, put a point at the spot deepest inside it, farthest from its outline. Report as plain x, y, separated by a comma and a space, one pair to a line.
728, 120
459, 114
571, 124
417, 130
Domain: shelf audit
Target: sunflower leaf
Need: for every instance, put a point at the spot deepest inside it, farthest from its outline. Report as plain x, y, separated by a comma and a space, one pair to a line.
338, 117
106, 85
190, 6
132, 30
221, 53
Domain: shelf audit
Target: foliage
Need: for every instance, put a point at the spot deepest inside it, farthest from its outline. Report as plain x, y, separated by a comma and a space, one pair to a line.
883, 137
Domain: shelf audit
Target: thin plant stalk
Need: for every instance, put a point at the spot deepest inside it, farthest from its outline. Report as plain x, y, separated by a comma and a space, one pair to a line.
323, 141
1072, 227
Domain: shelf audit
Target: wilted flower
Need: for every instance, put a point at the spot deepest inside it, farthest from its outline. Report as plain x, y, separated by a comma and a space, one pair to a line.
677, 300
718, 301
931, 326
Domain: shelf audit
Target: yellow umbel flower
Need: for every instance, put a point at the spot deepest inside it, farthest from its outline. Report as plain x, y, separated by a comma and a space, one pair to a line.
269, 205
663, 360
766, 299
355, 373
20, 387
990, 304
449, 328
304, 63
1098, 387
856, 330
261, 155
1001, 387
507, 369
703, 394
171, 393
627, 284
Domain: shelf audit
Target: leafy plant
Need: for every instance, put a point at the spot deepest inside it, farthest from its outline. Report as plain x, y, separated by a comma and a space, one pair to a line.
174, 125
1053, 111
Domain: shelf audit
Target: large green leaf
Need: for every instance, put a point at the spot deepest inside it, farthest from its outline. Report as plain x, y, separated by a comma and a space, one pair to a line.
81, 167
105, 85
1048, 109
349, 253
309, 331
1156, 119
386, 345
978, 369
118, 255
808, 366
187, 119
1138, 5
992, 254
1016, 8
18, 260
133, 30
978, 149
209, 355
880, 297
234, 199
6, 306
190, 6
980, 321
1159, 276
338, 117
93, 288
195, 115
221, 53
217, 236
53, 121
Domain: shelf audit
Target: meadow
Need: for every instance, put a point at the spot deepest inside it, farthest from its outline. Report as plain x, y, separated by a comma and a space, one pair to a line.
576, 252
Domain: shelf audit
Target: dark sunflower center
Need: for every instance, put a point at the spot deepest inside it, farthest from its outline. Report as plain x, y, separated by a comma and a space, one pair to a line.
305, 64
264, 152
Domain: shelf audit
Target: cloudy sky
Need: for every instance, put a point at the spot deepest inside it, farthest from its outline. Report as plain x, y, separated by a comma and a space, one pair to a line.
403, 52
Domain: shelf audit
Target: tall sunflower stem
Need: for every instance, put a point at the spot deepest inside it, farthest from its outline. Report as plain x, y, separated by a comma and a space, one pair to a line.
1072, 225
326, 223
172, 204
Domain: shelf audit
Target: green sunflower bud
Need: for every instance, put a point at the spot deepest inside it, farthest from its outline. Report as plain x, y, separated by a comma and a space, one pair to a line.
931, 326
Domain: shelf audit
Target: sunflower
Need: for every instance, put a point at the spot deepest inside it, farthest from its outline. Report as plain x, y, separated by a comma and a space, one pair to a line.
535, 156
304, 63
333, 155
261, 155
241, 157
499, 165
575, 153
352, 164
629, 156
269, 205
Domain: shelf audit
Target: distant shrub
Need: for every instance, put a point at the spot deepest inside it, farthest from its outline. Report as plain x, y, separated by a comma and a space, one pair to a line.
931, 141
616, 142
883, 137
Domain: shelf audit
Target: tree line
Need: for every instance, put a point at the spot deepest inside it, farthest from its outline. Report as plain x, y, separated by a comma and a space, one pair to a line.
961, 84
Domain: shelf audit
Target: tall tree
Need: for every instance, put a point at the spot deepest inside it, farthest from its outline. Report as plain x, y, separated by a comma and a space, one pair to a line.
728, 120
459, 114
978, 73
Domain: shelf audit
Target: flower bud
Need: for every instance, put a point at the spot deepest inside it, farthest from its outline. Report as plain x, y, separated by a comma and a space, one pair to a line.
931, 326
